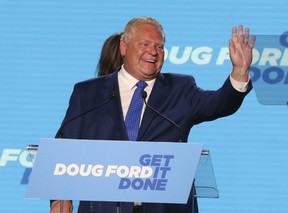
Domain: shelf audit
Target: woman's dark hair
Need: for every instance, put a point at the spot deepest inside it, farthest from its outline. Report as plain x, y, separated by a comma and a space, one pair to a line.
110, 58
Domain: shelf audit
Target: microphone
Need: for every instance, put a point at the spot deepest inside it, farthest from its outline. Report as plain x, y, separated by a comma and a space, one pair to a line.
59, 133
144, 96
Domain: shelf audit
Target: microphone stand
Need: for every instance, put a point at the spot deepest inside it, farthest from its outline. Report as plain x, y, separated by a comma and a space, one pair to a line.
60, 130
144, 95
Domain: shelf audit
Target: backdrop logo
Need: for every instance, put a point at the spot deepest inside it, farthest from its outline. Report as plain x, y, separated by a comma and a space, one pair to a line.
151, 174
270, 59
199, 55
202, 55
9, 156
269, 70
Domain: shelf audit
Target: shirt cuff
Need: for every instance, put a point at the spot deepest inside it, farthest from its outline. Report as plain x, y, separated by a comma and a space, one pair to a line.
239, 86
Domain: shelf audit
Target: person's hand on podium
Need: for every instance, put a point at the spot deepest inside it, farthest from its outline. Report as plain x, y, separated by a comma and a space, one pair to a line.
66, 206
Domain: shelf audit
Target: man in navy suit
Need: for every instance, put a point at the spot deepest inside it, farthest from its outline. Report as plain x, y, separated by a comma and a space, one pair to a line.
176, 96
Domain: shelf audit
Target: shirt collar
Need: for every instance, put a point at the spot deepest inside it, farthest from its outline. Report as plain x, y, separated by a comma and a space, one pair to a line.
131, 82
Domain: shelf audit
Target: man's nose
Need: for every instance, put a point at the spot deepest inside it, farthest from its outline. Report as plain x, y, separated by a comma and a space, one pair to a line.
152, 49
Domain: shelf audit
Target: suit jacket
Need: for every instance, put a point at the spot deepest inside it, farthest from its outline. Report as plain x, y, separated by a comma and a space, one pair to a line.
174, 95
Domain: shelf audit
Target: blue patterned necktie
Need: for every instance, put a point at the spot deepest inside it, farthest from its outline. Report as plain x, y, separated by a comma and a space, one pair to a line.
133, 116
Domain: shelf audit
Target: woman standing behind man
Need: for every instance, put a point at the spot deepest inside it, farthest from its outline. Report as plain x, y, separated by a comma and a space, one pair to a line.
110, 57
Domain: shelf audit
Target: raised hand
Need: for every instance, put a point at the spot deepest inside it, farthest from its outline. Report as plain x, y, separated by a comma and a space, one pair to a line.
240, 49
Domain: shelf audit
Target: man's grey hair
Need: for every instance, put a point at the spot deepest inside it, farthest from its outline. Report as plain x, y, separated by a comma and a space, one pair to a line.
131, 27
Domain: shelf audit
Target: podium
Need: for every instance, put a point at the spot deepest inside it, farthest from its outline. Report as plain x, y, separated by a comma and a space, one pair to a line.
205, 181
63, 169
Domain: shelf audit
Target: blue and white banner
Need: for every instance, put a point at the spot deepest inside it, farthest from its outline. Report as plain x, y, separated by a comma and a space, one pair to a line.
269, 69
114, 171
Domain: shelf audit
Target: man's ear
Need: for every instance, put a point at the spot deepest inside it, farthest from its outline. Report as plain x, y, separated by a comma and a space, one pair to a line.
123, 47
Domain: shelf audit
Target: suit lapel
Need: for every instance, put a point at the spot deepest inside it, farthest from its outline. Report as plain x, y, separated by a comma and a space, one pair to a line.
159, 93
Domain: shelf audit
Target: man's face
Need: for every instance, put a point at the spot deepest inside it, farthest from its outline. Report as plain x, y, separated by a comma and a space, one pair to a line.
144, 53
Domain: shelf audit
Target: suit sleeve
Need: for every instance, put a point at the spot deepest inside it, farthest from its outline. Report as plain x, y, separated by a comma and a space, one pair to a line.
207, 105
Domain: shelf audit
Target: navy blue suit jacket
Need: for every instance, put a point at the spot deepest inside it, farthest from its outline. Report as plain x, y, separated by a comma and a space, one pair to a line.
174, 95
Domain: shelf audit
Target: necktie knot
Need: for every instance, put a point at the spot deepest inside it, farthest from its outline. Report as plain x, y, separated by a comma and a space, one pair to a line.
141, 84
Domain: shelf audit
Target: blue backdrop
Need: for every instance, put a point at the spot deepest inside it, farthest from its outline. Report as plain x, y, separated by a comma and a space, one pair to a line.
48, 46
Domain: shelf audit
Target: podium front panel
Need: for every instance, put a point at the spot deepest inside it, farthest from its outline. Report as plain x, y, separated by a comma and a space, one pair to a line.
123, 171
